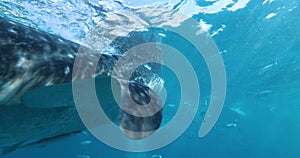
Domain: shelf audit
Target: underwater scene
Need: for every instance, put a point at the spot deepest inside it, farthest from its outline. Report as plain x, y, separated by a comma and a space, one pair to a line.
149, 78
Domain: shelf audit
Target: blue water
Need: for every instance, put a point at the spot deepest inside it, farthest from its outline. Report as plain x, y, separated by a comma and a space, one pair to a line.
262, 61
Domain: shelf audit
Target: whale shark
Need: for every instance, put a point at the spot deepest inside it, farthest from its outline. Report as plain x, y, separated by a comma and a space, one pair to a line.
36, 101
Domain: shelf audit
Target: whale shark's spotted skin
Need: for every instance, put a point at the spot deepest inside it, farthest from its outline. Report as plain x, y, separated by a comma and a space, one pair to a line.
30, 59
132, 125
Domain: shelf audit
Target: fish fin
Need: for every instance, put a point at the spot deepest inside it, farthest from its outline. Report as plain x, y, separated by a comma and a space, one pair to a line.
8, 149
59, 95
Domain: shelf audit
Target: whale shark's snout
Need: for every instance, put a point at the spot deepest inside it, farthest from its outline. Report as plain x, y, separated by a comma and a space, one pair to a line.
138, 124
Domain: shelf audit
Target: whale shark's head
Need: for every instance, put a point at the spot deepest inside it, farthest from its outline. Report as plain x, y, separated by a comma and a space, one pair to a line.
138, 124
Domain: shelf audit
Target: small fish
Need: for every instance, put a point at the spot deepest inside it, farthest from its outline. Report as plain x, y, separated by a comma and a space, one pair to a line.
156, 156
238, 110
86, 142
231, 125
261, 93
265, 69
171, 105
85, 133
82, 156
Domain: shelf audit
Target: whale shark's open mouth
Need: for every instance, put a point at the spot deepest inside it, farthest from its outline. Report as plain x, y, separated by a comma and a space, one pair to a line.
132, 125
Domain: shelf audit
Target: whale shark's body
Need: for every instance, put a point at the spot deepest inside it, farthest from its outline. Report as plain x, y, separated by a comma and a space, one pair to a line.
31, 60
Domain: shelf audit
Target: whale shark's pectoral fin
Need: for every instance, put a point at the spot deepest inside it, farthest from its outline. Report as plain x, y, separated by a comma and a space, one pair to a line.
59, 95
8, 149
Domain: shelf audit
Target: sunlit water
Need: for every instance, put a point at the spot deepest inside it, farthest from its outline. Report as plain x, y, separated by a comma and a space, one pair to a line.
260, 45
